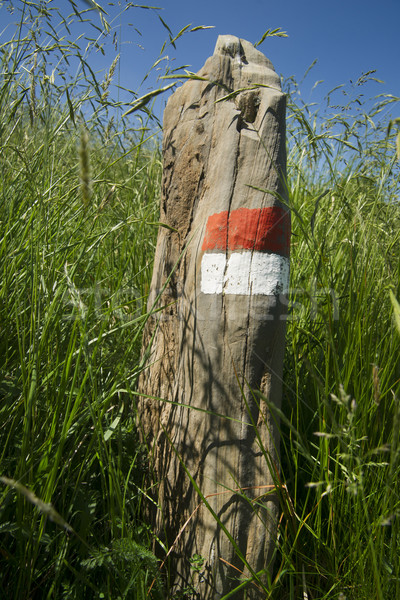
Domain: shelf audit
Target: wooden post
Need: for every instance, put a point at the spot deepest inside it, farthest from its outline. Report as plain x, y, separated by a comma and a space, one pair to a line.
223, 329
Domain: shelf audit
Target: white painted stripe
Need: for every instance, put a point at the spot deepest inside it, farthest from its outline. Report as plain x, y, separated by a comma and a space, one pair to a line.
212, 273
246, 273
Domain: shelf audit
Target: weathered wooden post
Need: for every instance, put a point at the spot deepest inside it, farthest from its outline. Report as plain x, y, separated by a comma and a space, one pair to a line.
222, 331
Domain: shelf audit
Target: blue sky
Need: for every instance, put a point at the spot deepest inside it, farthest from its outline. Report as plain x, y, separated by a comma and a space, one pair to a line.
346, 37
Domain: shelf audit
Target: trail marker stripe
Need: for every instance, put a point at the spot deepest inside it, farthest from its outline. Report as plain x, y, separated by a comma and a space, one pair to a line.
259, 229
244, 273
246, 252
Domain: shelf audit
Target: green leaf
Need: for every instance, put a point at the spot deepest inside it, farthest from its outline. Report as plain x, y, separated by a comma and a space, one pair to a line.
271, 33
391, 123
143, 100
245, 89
96, 6
168, 29
111, 430
182, 31
396, 310
199, 27
70, 107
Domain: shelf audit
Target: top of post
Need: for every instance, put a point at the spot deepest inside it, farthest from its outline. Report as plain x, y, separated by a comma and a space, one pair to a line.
247, 58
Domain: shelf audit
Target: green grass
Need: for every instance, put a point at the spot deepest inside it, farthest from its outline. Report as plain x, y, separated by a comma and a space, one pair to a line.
79, 198
79, 194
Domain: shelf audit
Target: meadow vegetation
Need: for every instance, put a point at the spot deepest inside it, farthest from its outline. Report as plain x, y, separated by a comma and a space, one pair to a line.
79, 193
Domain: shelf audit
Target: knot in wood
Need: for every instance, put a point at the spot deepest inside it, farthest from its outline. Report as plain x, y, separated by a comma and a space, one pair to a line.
248, 103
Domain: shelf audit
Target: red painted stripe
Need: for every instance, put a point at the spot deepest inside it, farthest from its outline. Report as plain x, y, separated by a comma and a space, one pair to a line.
262, 229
